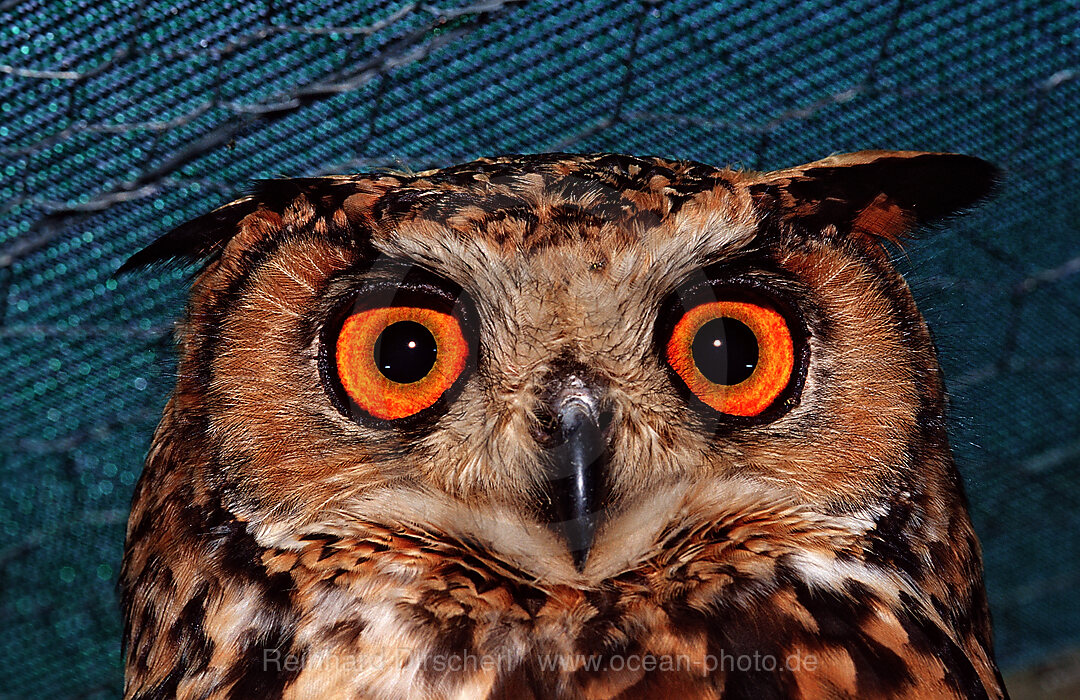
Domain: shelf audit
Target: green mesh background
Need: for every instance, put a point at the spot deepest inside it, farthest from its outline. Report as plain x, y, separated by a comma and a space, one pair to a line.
120, 119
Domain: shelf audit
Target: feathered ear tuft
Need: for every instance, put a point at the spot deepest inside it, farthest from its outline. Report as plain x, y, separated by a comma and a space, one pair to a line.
200, 240
881, 195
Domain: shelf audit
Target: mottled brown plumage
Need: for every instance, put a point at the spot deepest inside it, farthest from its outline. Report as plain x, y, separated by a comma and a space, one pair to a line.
283, 543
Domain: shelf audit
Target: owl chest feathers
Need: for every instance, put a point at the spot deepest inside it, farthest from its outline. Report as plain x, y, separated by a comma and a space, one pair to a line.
726, 589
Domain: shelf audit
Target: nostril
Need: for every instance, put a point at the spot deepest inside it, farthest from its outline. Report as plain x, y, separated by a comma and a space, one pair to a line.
604, 423
547, 424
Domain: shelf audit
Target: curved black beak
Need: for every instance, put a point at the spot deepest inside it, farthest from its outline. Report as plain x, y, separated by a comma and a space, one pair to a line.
576, 455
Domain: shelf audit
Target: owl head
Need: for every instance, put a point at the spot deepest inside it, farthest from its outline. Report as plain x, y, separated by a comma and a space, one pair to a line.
558, 404
547, 353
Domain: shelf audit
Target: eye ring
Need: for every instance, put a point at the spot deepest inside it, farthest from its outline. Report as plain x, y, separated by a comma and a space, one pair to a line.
754, 359
392, 362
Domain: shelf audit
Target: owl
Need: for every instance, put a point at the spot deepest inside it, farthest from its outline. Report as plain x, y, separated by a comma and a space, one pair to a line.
560, 426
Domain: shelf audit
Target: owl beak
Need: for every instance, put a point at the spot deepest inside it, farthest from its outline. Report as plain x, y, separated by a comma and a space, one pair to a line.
576, 455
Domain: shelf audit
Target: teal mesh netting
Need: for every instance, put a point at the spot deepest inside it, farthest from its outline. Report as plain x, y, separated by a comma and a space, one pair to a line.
119, 120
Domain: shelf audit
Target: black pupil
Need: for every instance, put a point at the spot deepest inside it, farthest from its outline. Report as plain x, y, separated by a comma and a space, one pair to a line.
405, 352
725, 351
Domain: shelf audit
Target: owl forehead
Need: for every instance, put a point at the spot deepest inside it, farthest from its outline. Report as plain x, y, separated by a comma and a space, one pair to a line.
528, 204
566, 226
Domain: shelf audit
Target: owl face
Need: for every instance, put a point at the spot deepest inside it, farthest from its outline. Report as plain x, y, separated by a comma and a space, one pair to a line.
556, 340
540, 407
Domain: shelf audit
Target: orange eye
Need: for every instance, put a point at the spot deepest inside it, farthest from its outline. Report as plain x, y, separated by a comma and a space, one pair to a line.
735, 356
398, 360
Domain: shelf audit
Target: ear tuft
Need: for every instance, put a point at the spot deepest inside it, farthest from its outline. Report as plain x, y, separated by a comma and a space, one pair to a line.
200, 240
880, 194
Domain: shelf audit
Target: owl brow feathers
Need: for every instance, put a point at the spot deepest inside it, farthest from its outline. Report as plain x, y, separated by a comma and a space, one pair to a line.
873, 195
